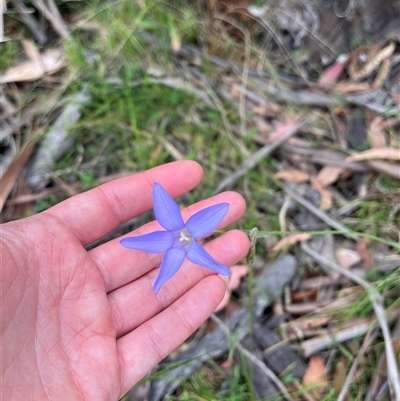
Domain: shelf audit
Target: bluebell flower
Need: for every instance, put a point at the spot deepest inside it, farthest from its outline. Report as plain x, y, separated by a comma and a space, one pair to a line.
180, 239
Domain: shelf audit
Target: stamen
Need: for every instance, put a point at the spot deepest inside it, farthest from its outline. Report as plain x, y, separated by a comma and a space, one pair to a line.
184, 237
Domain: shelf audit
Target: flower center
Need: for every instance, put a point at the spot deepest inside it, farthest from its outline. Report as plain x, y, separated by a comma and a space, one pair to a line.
184, 237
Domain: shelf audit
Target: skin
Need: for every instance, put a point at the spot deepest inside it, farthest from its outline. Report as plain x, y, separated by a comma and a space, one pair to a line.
86, 325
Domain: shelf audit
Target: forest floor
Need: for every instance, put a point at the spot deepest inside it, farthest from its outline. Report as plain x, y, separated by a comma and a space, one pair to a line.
304, 124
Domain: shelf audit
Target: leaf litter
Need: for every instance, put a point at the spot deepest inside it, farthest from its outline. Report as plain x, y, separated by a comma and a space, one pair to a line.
327, 145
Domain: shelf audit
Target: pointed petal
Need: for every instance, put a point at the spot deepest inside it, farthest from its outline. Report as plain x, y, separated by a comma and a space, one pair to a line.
207, 220
156, 242
197, 254
166, 209
171, 263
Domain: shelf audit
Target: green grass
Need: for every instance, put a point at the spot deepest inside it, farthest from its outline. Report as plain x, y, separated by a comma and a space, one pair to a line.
135, 121
9, 50
210, 383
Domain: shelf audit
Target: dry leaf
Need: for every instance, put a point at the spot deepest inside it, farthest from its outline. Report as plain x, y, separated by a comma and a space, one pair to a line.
269, 110
339, 377
233, 282
50, 62
373, 63
331, 74
11, 175
31, 49
316, 372
376, 153
315, 322
326, 197
347, 257
20, 211
227, 364
347, 88
236, 91
363, 251
284, 127
376, 133
292, 175
382, 75
176, 43
328, 175
305, 296
290, 240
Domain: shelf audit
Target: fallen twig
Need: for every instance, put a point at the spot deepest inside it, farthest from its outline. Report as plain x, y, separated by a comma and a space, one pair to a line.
376, 380
368, 340
385, 167
30, 21
56, 142
319, 213
50, 11
323, 342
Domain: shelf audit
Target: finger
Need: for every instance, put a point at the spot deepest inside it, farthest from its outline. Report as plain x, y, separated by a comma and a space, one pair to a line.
95, 213
138, 295
119, 265
140, 350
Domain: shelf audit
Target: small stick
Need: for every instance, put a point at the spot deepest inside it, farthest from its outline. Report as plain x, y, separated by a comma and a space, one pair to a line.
312, 346
376, 380
368, 340
377, 304
29, 21
265, 369
319, 213
256, 158
50, 11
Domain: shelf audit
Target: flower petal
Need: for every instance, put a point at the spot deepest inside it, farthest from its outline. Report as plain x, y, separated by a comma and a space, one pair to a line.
166, 209
197, 254
156, 242
171, 263
207, 220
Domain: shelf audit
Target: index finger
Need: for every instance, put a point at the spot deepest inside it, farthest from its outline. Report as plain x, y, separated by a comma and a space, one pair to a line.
95, 213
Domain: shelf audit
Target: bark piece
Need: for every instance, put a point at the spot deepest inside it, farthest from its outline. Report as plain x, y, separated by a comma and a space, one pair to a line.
281, 359
271, 283
57, 141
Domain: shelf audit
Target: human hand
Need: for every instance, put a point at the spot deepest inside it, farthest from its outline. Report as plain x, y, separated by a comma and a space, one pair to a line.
86, 325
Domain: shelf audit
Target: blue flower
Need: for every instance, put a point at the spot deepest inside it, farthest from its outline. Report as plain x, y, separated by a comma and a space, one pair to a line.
179, 239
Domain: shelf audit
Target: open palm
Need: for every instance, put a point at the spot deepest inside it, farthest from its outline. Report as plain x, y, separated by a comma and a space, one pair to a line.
86, 325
